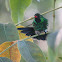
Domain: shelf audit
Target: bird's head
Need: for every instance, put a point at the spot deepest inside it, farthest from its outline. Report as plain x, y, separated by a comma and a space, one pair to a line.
37, 15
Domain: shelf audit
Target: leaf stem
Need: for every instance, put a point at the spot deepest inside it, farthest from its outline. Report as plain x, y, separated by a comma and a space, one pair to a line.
8, 48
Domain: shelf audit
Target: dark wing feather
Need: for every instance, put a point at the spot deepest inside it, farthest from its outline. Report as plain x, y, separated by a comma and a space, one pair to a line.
29, 31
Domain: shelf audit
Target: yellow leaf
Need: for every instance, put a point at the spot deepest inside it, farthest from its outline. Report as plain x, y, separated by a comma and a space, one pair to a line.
12, 53
22, 35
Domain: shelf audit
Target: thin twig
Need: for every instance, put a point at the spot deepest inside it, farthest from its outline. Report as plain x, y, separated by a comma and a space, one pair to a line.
41, 14
21, 40
28, 25
54, 16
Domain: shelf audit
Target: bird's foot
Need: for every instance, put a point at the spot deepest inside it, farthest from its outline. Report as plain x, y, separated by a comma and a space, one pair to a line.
37, 32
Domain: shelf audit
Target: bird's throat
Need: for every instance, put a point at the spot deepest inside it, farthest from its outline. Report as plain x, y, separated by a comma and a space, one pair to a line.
37, 20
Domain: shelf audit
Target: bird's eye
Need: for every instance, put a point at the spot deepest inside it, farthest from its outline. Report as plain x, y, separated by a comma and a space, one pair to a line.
35, 16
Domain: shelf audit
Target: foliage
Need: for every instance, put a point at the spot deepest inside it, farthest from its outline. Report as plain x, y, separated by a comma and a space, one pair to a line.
30, 52
18, 7
12, 53
22, 47
4, 59
8, 32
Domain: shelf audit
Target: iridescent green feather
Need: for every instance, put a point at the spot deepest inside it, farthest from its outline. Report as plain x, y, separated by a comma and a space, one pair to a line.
42, 25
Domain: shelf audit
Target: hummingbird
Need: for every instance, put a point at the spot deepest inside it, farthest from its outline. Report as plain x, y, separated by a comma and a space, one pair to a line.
39, 26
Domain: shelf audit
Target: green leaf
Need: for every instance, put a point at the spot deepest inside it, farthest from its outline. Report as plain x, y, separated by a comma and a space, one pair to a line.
18, 7
22, 59
30, 52
4, 59
54, 41
59, 49
60, 58
51, 38
59, 44
7, 5
8, 32
5, 16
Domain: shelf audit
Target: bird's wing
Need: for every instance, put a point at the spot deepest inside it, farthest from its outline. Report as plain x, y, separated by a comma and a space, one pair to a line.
29, 31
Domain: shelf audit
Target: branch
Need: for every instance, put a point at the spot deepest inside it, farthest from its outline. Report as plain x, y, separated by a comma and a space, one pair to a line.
22, 40
41, 14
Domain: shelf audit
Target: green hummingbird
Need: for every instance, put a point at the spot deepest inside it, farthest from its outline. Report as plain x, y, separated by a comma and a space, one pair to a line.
39, 25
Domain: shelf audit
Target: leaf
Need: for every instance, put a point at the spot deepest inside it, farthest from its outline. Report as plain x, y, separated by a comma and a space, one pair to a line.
18, 7
59, 49
60, 58
54, 41
12, 53
45, 6
58, 44
8, 32
22, 35
4, 59
51, 38
22, 59
7, 5
30, 52
5, 16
